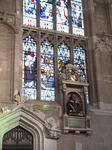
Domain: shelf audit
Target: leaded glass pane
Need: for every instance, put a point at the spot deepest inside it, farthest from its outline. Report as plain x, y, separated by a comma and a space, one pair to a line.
47, 71
29, 12
63, 56
62, 15
80, 61
29, 75
77, 17
46, 14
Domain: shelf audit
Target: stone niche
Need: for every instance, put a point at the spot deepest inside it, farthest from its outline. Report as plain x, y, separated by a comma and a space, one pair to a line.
73, 88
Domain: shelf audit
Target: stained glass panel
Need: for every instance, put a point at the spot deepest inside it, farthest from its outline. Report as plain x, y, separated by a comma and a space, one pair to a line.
80, 61
29, 68
62, 15
46, 14
77, 17
29, 12
63, 56
47, 71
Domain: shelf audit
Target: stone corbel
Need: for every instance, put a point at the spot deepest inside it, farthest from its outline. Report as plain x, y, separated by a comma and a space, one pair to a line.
4, 17
53, 133
51, 128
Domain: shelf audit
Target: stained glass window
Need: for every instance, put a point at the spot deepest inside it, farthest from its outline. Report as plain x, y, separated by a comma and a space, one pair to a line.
46, 14
62, 15
29, 12
29, 76
47, 71
77, 17
80, 60
63, 56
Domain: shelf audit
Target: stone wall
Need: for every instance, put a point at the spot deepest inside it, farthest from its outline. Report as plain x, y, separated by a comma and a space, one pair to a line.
101, 136
99, 74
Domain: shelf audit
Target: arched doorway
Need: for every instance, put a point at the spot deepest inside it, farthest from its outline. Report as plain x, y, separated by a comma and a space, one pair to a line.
17, 139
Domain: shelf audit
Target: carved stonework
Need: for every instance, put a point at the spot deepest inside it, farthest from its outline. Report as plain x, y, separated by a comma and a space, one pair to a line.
71, 73
19, 99
51, 127
4, 110
53, 134
9, 20
104, 44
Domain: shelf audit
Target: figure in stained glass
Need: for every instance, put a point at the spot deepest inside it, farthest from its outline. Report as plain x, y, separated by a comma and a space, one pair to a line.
80, 61
63, 56
30, 62
62, 15
47, 71
29, 68
29, 12
77, 17
46, 14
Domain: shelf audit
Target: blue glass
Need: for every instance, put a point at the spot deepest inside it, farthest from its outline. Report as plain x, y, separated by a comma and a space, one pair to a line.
29, 75
47, 71
46, 14
62, 15
29, 12
77, 17
80, 60
63, 56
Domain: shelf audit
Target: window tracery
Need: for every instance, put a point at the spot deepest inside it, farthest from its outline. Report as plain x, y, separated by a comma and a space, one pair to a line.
52, 50
54, 15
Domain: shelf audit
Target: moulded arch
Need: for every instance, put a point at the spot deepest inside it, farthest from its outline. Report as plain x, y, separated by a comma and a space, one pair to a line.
11, 27
25, 119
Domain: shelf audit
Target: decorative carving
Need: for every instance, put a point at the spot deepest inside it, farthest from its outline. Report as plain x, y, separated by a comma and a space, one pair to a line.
54, 134
104, 44
50, 122
8, 19
19, 99
52, 127
4, 110
70, 72
4, 16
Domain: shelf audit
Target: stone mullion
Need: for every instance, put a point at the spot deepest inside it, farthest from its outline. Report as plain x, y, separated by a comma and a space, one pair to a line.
85, 17
70, 16
38, 68
56, 69
54, 15
72, 51
38, 13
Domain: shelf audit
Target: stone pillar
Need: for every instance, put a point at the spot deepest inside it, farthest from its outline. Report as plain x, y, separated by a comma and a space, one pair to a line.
64, 98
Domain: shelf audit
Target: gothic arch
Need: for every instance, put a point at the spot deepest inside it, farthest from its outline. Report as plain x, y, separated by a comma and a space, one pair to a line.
9, 26
26, 120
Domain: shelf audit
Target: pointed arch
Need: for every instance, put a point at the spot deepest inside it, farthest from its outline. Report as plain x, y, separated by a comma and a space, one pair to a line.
27, 120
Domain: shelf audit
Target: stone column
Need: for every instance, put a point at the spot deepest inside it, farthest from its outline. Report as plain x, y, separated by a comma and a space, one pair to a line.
64, 98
